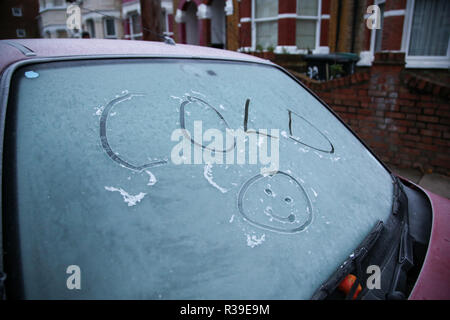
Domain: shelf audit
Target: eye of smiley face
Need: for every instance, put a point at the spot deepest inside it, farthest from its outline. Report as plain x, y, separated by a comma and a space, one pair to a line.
276, 203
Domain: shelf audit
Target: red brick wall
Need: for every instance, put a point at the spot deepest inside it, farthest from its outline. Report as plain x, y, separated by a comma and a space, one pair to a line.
245, 8
286, 32
287, 6
392, 33
395, 4
324, 25
404, 118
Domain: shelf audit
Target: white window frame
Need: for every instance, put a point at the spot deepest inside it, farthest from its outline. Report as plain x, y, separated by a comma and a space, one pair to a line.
255, 20
318, 19
16, 12
437, 62
105, 29
21, 33
167, 6
367, 57
167, 24
130, 22
292, 48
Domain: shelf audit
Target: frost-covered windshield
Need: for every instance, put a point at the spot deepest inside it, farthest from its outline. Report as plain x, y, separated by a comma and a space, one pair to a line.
121, 172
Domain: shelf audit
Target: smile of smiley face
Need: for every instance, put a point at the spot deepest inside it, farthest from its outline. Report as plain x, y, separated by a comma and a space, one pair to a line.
276, 203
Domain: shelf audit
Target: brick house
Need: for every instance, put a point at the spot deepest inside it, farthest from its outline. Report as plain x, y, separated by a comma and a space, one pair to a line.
207, 22
280, 25
397, 101
101, 19
18, 20
402, 114
319, 26
132, 15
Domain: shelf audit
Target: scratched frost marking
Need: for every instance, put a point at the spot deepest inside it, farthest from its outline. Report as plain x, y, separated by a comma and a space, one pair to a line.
152, 179
253, 240
209, 177
128, 198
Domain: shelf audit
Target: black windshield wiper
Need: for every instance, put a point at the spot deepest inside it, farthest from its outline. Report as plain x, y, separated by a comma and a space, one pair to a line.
395, 238
404, 263
352, 262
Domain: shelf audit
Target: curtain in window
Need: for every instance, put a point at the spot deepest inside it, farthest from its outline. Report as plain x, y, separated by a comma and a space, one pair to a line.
305, 35
307, 7
110, 28
266, 8
266, 31
430, 28
136, 21
267, 34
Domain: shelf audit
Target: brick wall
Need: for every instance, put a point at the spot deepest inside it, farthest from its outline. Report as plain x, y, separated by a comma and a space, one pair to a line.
403, 116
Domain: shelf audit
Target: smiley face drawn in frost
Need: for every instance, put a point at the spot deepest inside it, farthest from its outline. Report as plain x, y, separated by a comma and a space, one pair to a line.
276, 203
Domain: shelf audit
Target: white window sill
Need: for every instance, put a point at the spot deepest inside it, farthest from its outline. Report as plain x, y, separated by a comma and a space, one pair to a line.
427, 62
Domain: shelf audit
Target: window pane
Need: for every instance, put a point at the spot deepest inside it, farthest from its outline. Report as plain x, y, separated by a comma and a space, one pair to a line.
430, 29
110, 28
267, 34
307, 7
20, 33
266, 8
136, 22
17, 12
305, 36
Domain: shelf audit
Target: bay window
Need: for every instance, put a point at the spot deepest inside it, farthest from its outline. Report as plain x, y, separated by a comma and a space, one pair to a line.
427, 41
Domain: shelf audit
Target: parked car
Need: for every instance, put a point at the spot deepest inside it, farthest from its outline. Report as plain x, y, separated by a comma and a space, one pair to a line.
103, 197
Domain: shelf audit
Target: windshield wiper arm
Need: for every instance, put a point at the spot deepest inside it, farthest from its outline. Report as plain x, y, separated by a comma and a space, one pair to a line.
354, 260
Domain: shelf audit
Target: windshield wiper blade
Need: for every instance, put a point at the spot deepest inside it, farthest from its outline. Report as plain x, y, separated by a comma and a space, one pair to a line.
405, 262
354, 260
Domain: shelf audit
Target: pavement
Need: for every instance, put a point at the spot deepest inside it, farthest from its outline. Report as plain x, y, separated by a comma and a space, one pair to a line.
434, 182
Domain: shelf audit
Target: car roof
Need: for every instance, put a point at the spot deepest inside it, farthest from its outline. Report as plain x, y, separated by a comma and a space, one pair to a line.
23, 49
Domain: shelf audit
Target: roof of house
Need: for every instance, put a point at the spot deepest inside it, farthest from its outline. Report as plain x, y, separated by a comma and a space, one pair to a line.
22, 49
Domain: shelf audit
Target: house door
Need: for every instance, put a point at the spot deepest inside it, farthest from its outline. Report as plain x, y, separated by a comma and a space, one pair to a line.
191, 24
218, 24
